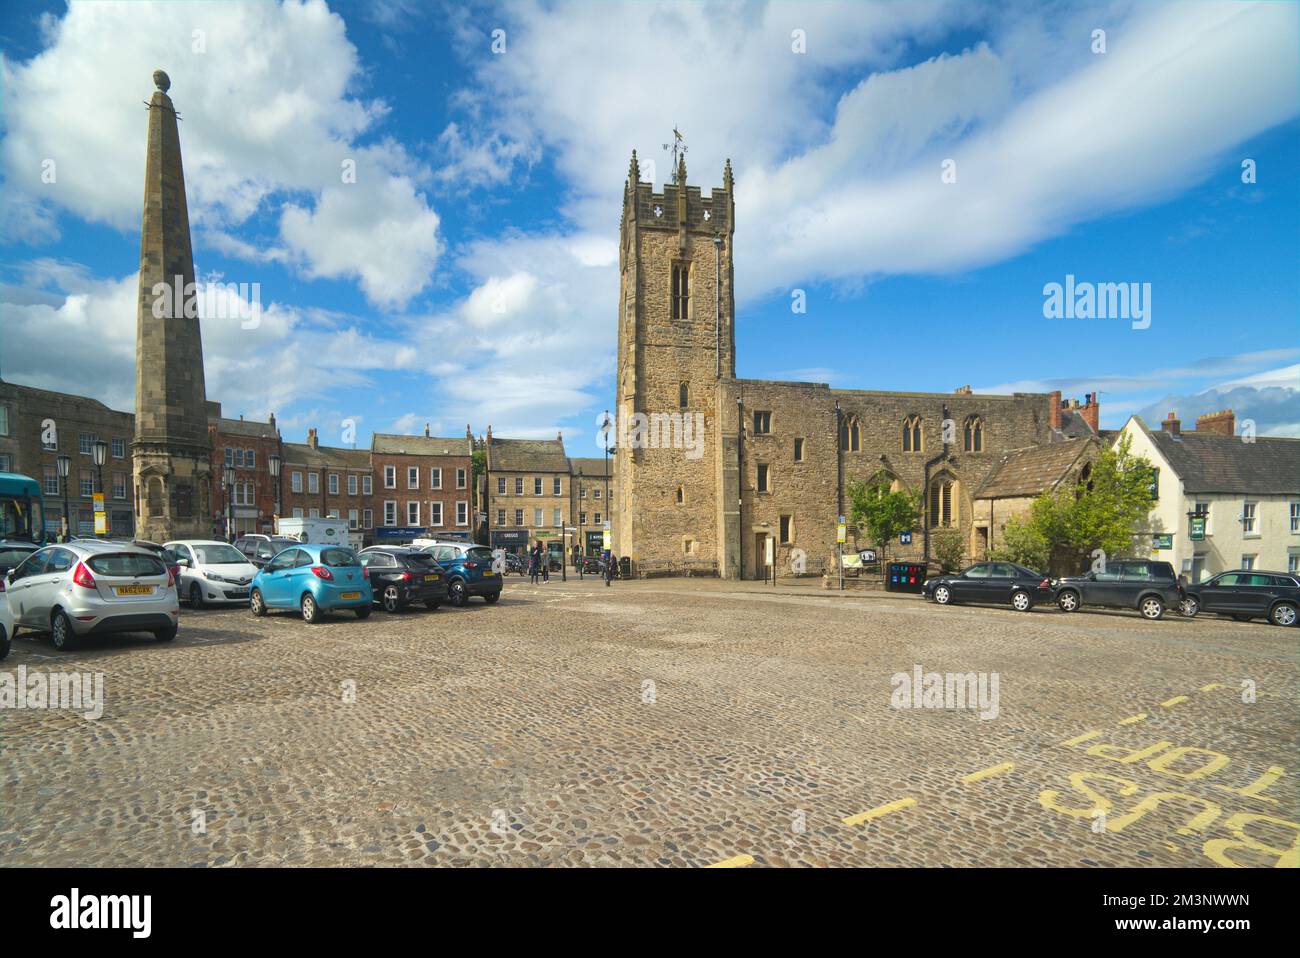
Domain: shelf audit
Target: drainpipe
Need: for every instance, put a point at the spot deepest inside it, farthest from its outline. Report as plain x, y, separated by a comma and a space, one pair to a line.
925, 555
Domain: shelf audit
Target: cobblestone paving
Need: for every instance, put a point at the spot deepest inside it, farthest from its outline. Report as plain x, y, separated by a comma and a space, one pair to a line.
669, 723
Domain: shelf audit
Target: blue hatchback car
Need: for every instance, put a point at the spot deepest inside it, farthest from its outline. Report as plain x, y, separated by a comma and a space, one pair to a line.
315, 579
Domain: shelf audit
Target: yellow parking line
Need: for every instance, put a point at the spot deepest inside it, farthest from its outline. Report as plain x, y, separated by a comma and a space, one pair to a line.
1210, 688
880, 812
987, 773
1170, 703
739, 861
1132, 719
1080, 738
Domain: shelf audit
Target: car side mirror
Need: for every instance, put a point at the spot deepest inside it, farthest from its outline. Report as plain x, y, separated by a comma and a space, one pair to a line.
183, 562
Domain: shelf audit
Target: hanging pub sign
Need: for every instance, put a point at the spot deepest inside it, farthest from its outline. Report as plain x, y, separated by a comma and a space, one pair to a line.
1197, 528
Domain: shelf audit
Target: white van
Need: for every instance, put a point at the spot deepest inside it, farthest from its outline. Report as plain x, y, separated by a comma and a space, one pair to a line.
328, 532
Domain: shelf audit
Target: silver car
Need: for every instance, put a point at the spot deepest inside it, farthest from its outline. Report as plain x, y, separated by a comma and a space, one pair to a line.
86, 588
212, 571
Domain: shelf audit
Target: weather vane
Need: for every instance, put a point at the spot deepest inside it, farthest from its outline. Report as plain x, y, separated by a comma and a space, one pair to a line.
678, 146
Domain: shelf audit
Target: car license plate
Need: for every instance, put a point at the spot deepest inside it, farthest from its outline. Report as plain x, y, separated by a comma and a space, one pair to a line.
432, 578
488, 572
350, 595
134, 589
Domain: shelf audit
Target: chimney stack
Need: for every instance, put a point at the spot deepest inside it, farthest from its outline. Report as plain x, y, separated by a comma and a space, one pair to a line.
1091, 411
1054, 412
311, 437
1223, 422
426, 430
1171, 425
272, 420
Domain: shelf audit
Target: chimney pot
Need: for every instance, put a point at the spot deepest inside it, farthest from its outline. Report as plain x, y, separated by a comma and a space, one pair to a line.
1172, 425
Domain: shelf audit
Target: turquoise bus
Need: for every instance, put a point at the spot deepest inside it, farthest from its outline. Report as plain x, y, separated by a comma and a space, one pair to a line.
22, 510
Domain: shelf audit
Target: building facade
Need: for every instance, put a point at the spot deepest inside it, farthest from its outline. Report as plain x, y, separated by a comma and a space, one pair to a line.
324, 482
593, 492
37, 426
528, 493
721, 475
424, 486
1222, 501
245, 447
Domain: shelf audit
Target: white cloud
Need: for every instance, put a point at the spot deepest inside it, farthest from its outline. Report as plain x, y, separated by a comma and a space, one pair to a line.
269, 112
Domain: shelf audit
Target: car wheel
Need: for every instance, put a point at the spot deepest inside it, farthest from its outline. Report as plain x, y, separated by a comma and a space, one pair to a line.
257, 603
457, 593
391, 599
432, 606
1152, 608
310, 610
165, 635
1020, 601
363, 613
1189, 606
1284, 613
196, 596
491, 597
1068, 601
942, 595
61, 631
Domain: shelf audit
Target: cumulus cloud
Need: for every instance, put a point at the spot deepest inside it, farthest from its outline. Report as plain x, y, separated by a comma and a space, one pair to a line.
267, 92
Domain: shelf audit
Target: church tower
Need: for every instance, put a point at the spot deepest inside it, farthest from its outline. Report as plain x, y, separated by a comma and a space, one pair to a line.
171, 451
676, 358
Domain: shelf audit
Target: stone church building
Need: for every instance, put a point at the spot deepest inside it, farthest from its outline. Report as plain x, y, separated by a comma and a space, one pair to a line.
776, 457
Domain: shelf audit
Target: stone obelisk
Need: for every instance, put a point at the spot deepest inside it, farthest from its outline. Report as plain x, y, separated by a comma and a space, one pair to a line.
171, 451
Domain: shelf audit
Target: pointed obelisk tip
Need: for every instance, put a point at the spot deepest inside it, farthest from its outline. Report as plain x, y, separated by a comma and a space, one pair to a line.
162, 81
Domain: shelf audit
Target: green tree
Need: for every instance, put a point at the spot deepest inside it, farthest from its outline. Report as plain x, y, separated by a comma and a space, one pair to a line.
882, 512
1064, 527
947, 547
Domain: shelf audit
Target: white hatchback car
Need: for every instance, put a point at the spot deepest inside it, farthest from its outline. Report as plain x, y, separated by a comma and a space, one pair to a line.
89, 588
212, 571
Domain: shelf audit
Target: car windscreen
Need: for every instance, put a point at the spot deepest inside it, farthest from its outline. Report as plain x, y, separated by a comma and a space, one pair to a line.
421, 559
220, 554
338, 557
479, 554
11, 557
127, 564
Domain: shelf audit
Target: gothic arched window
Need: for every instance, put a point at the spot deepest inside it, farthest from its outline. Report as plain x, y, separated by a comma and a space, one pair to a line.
912, 434
683, 396
942, 510
851, 435
973, 438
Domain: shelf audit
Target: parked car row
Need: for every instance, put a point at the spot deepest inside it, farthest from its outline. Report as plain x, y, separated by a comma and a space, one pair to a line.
1149, 587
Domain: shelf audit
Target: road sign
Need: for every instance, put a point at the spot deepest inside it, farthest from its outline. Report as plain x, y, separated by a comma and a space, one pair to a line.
605, 540
101, 523
841, 533
905, 538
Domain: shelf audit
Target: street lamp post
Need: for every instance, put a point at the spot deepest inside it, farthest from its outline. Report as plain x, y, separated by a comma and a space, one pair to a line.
100, 450
604, 430
273, 461
229, 476
64, 464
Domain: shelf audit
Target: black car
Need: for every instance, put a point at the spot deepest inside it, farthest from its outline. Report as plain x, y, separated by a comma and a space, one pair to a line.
591, 565
1150, 587
1247, 594
401, 575
999, 583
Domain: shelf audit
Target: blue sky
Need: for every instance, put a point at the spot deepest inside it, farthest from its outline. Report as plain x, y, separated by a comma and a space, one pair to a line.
469, 274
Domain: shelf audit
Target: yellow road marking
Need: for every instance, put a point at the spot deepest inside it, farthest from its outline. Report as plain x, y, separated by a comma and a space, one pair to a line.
1133, 718
1170, 703
880, 812
1080, 738
987, 773
738, 861
1210, 688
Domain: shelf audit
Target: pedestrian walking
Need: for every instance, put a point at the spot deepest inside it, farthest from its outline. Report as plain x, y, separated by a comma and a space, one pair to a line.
532, 564
544, 557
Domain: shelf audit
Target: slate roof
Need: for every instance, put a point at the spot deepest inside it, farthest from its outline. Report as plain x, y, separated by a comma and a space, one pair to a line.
527, 455
244, 427
591, 466
304, 455
1213, 462
390, 444
1034, 470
